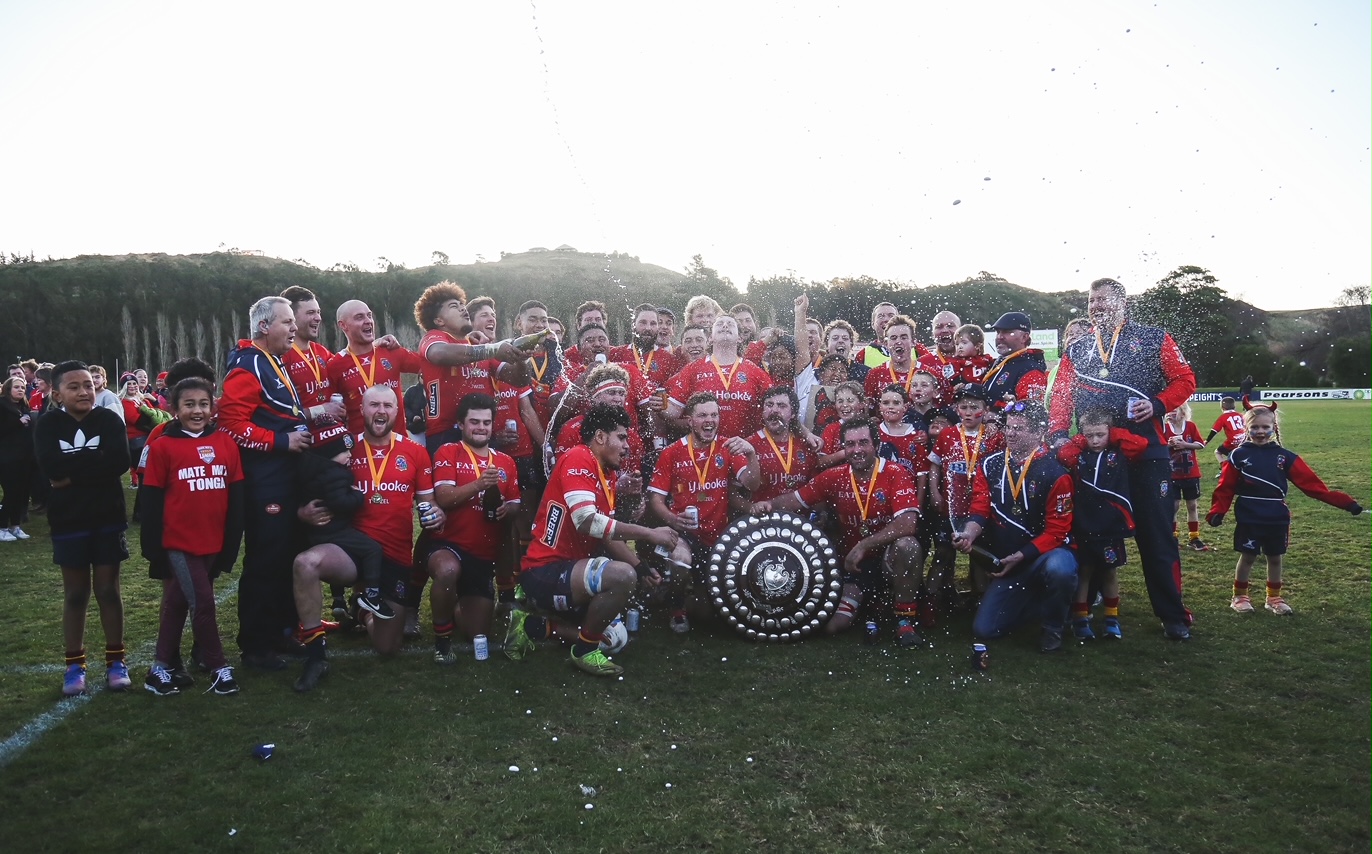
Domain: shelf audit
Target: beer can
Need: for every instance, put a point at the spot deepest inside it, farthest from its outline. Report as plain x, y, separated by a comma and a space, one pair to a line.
264, 751
981, 659
511, 426
662, 551
692, 514
426, 512
1129, 407
336, 398
631, 619
481, 648
662, 397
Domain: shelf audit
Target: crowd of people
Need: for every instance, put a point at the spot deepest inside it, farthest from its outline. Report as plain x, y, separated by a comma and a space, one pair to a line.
562, 478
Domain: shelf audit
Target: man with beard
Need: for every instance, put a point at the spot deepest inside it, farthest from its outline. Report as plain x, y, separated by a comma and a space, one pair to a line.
361, 365
698, 471
899, 368
578, 564
1020, 373
462, 556
261, 410
588, 313
736, 383
307, 360
652, 364
608, 384
452, 367
750, 346
1022, 503
1139, 374
878, 512
938, 362
544, 367
784, 458
393, 473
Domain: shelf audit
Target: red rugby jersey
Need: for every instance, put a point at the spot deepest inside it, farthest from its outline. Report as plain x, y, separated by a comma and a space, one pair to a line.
890, 494
403, 473
738, 387
783, 466
578, 481
351, 375
194, 473
700, 475
456, 464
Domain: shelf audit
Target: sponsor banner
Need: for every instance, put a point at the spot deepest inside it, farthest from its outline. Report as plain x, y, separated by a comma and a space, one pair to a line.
1210, 397
1039, 339
1314, 394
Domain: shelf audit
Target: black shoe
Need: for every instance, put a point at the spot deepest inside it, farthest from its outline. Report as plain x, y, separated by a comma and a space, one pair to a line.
1176, 631
315, 669
1050, 640
263, 661
224, 683
340, 609
377, 606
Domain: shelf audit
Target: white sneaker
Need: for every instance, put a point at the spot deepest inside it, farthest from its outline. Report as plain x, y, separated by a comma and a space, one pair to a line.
18, 533
6, 536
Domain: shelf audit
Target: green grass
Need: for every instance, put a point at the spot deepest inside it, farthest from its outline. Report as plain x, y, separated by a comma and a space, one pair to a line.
1253, 736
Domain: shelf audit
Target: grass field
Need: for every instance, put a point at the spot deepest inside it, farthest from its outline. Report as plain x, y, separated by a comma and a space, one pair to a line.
1253, 736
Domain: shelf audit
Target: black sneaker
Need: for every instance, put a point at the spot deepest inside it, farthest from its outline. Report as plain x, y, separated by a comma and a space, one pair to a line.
315, 669
1050, 640
1176, 631
224, 682
378, 606
340, 609
159, 682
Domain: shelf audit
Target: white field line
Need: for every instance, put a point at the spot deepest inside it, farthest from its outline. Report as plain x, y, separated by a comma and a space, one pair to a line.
14, 746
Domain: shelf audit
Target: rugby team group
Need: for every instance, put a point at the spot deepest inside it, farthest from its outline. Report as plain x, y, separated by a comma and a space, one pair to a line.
563, 485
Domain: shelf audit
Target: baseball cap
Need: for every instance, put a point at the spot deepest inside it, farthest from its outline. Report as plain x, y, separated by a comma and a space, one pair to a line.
1013, 320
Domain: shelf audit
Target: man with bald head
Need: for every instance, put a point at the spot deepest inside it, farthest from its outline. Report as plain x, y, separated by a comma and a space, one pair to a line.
393, 474
938, 362
361, 364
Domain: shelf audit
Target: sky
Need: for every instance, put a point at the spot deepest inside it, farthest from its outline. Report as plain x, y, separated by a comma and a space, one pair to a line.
1048, 143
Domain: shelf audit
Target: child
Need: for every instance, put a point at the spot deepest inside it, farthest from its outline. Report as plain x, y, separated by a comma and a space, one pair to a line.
1232, 424
1184, 440
1255, 481
326, 475
83, 453
970, 356
192, 506
849, 401
820, 411
924, 395
900, 442
1102, 516
953, 461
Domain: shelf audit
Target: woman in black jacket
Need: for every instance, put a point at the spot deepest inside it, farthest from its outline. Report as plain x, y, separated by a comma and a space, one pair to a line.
17, 462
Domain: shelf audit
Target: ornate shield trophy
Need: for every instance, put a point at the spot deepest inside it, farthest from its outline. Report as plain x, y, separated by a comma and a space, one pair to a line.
774, 577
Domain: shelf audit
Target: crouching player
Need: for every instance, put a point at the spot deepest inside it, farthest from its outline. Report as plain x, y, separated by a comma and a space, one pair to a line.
578, 564
698, 471
462, 557
392, 473
878, 510
1255, 481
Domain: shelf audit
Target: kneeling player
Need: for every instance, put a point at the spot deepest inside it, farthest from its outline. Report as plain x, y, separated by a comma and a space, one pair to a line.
578, 564
878, 510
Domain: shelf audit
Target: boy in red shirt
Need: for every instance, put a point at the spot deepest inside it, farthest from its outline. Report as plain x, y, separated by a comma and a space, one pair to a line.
1232, 424
192, 507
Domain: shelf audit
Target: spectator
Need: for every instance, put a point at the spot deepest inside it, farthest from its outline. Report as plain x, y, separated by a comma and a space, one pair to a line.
16, 457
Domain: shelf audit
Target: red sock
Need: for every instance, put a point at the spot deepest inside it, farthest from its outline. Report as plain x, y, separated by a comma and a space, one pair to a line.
1081, 610
443, 630
310, 635
1112, 606
1240, 588
1273, 589
1194, 528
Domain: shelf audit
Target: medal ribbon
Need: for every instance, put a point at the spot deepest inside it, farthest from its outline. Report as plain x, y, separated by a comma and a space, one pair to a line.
702, 474
991, 374
727, 381
310, 362
974, 453
871, 485
1106, 358
369, 379
477, 466
378, 473
644, 367
1016, 487
909, 378
539, 372
605, 485
285, 380
790, 449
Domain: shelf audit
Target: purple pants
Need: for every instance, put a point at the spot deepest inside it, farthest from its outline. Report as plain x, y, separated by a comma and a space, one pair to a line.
190, 590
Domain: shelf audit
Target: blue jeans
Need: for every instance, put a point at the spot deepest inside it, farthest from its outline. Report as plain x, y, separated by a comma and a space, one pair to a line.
1042, 589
